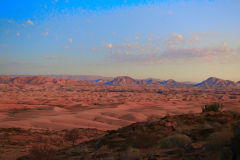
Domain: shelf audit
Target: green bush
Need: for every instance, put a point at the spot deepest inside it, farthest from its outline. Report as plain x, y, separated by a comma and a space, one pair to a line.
176, 140
214, 107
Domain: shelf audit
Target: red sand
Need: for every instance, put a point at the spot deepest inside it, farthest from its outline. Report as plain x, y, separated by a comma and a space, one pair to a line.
96, 106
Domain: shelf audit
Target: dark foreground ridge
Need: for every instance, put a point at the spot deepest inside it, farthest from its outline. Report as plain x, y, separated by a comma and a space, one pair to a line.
203, 136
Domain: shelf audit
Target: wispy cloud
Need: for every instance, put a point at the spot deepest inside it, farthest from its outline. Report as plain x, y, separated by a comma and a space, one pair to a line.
221, 53
70, 40
30, 22
55, 57
46, 33
109, 45
175, 39
3, 45
137, 38
66, 47
194, 38
170, 13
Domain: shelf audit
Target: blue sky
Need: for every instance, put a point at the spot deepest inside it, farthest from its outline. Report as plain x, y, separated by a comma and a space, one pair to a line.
184, 40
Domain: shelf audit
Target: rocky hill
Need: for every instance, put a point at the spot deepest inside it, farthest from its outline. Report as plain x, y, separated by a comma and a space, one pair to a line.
173, 84
216, 83
122, 80
88, 78
38, 80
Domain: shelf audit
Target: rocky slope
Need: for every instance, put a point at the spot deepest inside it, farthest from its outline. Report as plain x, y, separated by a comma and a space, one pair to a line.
201, 136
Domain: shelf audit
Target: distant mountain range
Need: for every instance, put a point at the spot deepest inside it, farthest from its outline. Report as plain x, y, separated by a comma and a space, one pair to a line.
38, 80
95, 79
210, 83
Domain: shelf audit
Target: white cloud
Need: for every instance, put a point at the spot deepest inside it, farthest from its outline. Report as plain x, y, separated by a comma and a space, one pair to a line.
194, 38
202, 34
225, 44
55, 57
175, 39
70, 40
30, 22
46, 33
180, 37
66, 47
10, 21
170, 13
109, 45
149, 39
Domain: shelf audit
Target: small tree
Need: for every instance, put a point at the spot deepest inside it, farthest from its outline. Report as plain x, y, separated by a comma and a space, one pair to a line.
72, 135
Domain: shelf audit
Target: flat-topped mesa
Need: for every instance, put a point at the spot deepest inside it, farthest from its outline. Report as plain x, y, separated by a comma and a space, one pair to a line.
217, 83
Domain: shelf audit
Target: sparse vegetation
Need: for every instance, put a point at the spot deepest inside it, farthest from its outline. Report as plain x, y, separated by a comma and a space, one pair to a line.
176, 140
42, 152
214, 107
131, 154
217, 140
72, 135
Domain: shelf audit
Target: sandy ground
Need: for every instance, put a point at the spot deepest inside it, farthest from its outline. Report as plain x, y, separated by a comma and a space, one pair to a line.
101, 107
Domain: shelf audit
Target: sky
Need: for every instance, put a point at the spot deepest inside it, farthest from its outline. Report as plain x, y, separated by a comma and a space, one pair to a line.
185, 40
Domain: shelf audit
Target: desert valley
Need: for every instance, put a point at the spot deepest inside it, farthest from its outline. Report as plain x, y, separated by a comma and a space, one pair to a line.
34, 106
119, 80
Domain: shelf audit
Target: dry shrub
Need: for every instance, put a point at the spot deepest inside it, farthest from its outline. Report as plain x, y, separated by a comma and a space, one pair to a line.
72, 135
218, 140
42, 152
214, 107
143, 140
131, 154
218, 146
176, 140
